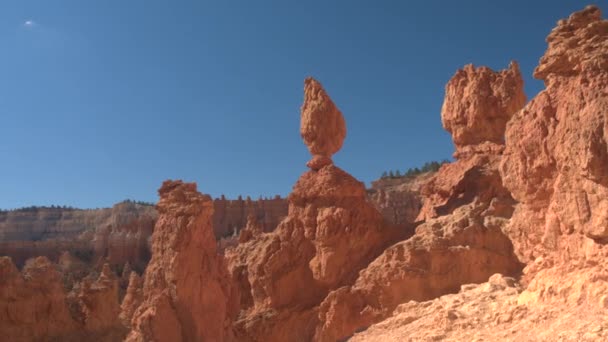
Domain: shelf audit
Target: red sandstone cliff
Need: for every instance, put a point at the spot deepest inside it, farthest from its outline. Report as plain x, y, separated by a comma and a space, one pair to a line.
555, 165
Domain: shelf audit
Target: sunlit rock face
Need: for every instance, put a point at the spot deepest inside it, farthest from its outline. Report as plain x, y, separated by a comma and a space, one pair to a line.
330, 233
555, 164
187, 292
465, 206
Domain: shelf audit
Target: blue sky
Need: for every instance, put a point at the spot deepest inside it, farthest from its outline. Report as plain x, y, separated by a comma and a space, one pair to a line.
103, 100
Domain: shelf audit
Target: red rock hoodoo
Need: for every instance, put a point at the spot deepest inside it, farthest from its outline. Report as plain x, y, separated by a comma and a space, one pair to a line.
187, 293
330, 233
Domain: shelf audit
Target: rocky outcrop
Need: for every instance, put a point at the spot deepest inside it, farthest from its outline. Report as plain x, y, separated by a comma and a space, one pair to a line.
491, 99
330, 234
132, 299
555, 162
187, 291
465, 208
322, 125
252, 230
32, 303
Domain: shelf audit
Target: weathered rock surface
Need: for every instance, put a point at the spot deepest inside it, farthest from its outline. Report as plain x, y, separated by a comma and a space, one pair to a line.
554, 166
252, 230
132, 300
98, 301
465, 207
491, 99
556, 153
330, 234
322, 125
32, 304
491, 311
188, 295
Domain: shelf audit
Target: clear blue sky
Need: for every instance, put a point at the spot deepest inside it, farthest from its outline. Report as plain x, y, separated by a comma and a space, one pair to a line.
103, 100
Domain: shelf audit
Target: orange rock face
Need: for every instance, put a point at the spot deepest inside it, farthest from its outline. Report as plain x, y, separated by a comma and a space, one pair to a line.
99, 304
330, 233
465, 208
322, 125
556, 156
187, 291
479, 102
32, 304
132, 299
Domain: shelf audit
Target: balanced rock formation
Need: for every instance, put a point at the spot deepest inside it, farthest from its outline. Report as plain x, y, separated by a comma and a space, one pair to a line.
555, 162
330, 234
187, 291
322, 125
465, 208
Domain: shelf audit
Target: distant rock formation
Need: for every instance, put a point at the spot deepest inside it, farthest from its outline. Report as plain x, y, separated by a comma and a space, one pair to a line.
115, 235
118, 234
32, 303
230, 216
187, 293
35, 307
399, 200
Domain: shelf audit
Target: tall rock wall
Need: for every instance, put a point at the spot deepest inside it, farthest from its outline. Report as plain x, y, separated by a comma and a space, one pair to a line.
556, 161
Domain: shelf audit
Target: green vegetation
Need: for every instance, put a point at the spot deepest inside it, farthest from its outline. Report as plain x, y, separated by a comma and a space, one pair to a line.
138, 202
432, 166
35, 208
